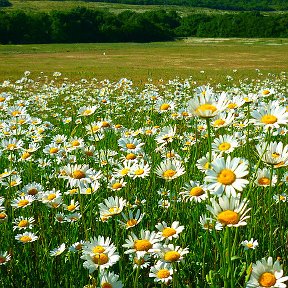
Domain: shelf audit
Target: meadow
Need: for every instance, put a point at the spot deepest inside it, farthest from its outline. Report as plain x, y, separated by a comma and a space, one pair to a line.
152, 165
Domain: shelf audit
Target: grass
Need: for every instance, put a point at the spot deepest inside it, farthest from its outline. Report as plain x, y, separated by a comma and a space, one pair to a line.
183, 58
46, 6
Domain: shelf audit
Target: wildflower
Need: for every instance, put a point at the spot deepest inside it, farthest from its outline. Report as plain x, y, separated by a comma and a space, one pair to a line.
139, 170
73, 217
273, 153
169, 169
171, 253
161, 272
57, 251
73, 206
112, 206
230, 212
169, 232
265, 273
22, 201
208, 106
34, 189
227, 176
224, 144
251, 244
140, 262
142, 245
166, 135
87, 110
77, 246
4, 257
264, 178
110, 280
194, 191
280, 198
116, 184
130, 145
23, 223
26, 237
131, 220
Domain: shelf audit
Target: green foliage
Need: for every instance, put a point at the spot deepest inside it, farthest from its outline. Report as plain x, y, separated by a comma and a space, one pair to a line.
5, 3
87, 25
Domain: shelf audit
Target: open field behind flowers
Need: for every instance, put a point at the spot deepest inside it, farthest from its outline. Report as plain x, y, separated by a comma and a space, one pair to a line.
216, 57
168, 184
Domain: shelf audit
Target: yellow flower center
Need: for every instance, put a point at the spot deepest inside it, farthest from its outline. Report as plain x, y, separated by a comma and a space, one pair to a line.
139, 261
267, 279
100, 259
232, 105
98, 249
130, 146
25, 239
206, 107
25, 155
163, 273
264, 181
23, 223
78, 174
139, 171
196, 191
224, 146
2, 99
282, 198
170, 155
2, 216
165, 106
172, 256
105, 124
23, 202
266, 92
167, 232
13, 183
131, 222
53, 150
106, 285
16, 113
71, 207
51, 196
219, 122
75, 143
2, 259
226, 177
95, 128
130, 156
124, 171
87, 112
275, 155
169, 173
249, 245
114, 210
117, 126
228, 217
89, 153
11, 146
185, 114
117, 185
142, 245
269, 119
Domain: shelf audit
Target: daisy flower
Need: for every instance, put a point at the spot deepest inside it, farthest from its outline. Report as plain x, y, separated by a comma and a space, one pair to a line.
77, 246
270, 116
227, 176
224, 144
130, 145
230, 212
273, 153
111, 206
110, 280
73, 217
72, 207
166, 135
26, 237
131, 220
57, 251
193, 191
169, 232
263, 178
142, 245
11, 144
280, 198
22, 201
265, 273
164, 106
87, 110
162, 272
34, 189
139, 170
116, 184
171, 253
141, 262
23, 223
251, 244
4, 257
208, 105
53, 149
169, 169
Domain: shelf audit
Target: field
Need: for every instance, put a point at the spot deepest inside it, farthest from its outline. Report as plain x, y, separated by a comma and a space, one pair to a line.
180, 182
138, 62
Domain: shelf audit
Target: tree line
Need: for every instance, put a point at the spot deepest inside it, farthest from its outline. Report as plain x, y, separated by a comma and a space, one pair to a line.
86, 25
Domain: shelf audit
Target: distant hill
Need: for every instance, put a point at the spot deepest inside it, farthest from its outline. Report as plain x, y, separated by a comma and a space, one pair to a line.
237, 5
